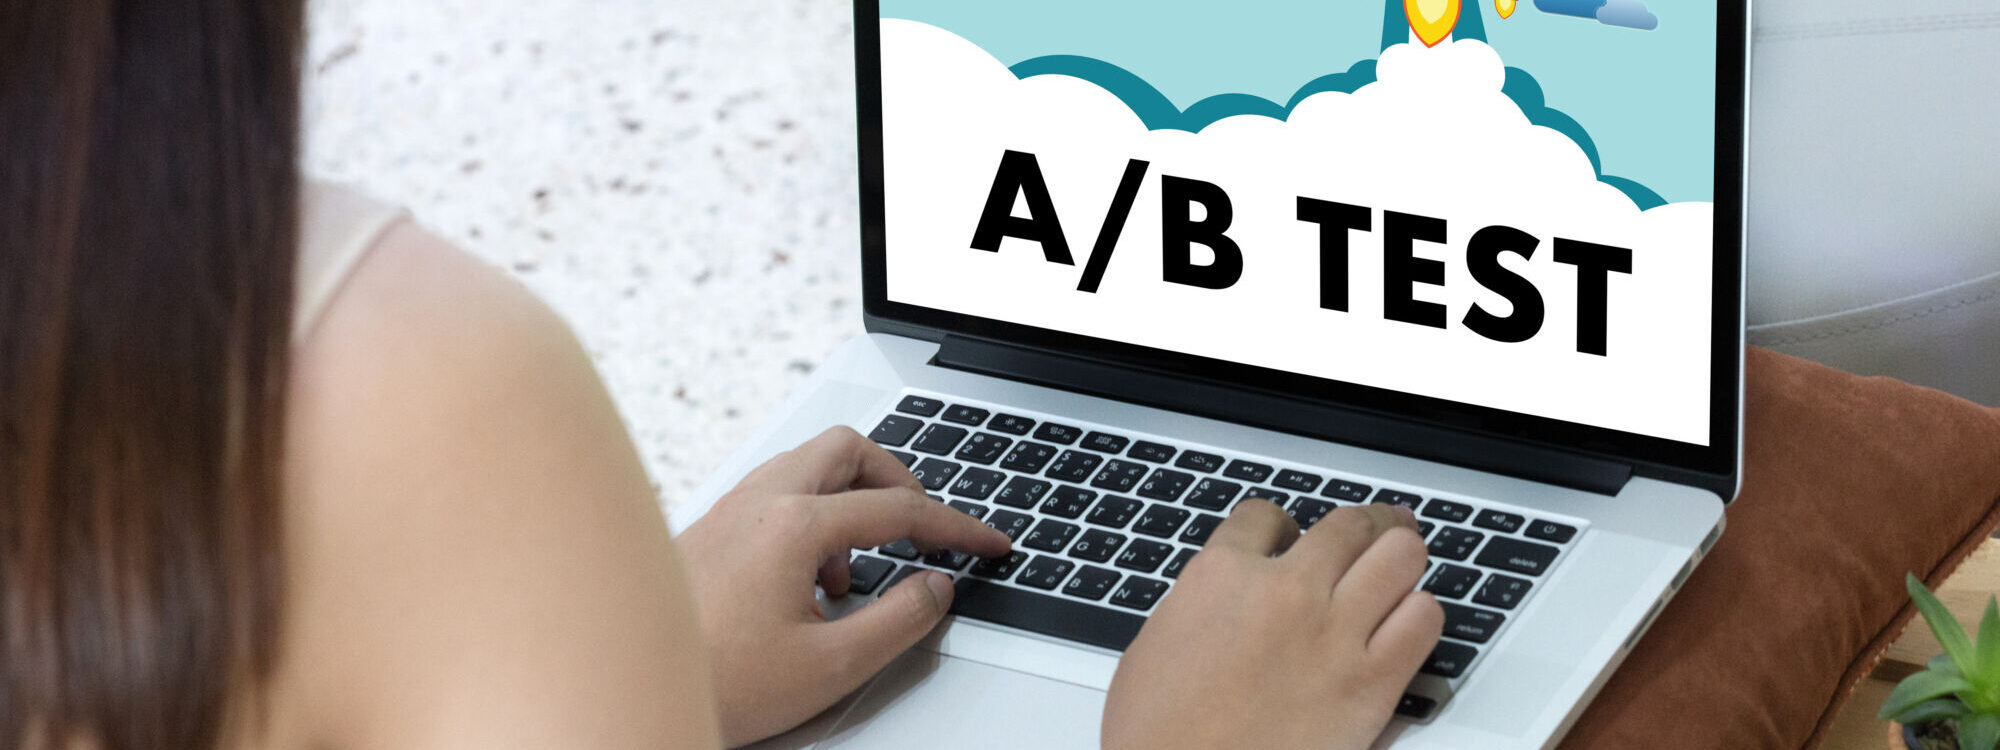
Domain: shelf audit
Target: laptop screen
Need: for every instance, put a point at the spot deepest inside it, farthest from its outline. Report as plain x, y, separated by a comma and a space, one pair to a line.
1507, 204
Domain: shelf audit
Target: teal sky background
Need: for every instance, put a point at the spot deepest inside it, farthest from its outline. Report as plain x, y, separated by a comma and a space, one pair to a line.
1647, 98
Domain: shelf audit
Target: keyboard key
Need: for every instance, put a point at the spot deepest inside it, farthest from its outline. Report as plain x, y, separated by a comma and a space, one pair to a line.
1308, 511
900, 574
1504, 592
1424, 529
895, 430
977, 484
1091, 583
1045, 572
900, 549
934, 497
1446, 510
1105, 442
1010, 523
940, 439
1178, 564
1248, 471
1454, 543
908, 459
1551, 531
1097, 545
1415, 706
1200, 528
1165, 485
1392, 497
1299, 481
1144, 555
1050, 535
1274, 497
1516, 556
1139, 593
1497, 521
1011, 424
1119, 476
1342, 489
935, 473
1028, 458
1074, 466
971, 509
1049, 615
1114, 511
947, 559
998, 568
1449, 659
1469, 624
1162, 521
1206, 463
984, 448
1212, 494
1452, 582
865, 574
966, 415
1022, 492
1069, 502
1060, 434
1154, 452
922, 406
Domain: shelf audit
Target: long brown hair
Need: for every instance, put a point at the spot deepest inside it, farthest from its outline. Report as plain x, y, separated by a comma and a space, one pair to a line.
148, 213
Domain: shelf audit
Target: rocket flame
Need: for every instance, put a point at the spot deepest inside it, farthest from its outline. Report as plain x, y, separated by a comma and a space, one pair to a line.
1506, 7
1433, 20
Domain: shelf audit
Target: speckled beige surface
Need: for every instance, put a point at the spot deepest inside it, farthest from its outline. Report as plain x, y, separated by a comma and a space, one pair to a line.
675, 178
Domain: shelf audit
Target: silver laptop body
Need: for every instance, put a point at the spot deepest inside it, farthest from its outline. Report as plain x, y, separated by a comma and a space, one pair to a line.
1620, 514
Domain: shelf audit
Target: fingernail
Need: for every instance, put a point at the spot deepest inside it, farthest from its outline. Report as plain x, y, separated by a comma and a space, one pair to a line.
1406, 512
940, 586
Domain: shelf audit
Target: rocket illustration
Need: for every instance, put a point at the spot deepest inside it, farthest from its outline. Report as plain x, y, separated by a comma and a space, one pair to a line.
1432, 21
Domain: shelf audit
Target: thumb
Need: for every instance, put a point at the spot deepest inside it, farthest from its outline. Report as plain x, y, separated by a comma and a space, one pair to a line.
876, 634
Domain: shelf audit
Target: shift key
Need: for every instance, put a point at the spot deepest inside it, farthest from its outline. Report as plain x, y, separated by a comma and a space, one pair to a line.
1516, 556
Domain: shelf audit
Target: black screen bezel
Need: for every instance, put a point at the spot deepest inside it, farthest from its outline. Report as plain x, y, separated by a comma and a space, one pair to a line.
1715, 465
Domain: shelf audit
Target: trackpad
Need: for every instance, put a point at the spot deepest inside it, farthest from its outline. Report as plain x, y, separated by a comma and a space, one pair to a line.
928, 700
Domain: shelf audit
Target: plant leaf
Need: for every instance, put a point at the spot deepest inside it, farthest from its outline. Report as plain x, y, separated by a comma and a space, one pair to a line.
1987, 649
1942, 663
1979, 732
1949, 633
1932, 710
1921, 687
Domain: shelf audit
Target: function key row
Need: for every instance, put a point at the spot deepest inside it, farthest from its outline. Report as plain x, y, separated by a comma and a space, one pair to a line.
971, 416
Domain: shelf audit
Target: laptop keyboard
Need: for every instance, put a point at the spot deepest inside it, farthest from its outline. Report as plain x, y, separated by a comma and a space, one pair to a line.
1104, 520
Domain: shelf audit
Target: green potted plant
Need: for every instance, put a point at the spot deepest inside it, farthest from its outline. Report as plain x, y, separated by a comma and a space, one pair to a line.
1955, 701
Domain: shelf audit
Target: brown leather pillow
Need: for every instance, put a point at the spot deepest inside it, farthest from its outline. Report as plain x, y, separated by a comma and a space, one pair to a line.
1848, 482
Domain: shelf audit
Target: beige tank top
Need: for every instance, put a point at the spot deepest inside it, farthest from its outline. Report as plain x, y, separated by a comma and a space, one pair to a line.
337, 227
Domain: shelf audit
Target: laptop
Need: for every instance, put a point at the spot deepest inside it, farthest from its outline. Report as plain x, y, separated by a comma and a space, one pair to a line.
1128, 264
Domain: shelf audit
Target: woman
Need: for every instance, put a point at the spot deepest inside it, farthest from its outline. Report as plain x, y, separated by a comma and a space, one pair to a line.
279, 469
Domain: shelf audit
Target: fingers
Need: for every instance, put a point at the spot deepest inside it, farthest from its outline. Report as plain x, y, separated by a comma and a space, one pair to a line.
1406, 637
1332, 545
1257, 528
1386, 572
870, 518
835, 461
834, 575
877, 633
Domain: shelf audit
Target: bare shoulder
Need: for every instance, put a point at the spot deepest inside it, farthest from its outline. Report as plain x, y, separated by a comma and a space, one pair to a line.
475, 556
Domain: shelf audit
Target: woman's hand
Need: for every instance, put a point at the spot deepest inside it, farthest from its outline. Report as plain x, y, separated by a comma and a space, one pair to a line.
757, 554
1308, 649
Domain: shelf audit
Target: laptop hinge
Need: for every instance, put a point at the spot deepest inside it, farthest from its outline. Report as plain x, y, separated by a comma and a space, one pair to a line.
1275, 411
